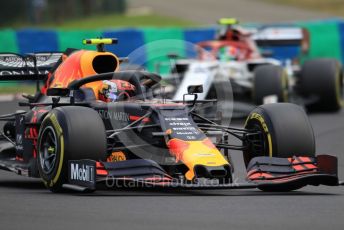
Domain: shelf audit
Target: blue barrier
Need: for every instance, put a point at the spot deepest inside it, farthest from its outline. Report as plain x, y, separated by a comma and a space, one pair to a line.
31, 40
128, 41
197, 35
341, 31
327, 39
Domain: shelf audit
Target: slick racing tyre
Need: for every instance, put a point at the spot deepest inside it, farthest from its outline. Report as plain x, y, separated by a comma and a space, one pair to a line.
68, 133
270, 80
285, 131
323, 80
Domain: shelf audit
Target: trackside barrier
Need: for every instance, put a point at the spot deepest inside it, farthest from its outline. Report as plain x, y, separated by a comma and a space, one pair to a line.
327, 40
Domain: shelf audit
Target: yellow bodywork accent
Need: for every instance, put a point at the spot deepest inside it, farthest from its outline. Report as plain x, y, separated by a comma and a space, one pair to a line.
228, 21
87, 58
87, 67
80, 65
96, 41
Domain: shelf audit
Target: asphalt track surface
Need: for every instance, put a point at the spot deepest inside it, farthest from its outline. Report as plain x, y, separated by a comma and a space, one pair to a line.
209, 11
26, 204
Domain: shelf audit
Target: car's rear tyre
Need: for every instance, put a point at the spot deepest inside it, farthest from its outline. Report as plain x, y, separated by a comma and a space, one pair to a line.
68, 133
285, 132
322, 79
270, 80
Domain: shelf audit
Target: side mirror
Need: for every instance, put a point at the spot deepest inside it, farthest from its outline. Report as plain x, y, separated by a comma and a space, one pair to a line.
192, 89
62, 92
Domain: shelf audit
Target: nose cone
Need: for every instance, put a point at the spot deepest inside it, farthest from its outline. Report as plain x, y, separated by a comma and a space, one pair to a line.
201, 155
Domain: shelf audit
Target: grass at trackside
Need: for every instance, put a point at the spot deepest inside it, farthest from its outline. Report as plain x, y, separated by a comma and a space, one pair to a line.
11, 88
334, 7
125, 21
114, 20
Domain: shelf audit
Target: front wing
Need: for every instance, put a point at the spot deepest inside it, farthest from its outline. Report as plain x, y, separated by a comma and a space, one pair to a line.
265, 173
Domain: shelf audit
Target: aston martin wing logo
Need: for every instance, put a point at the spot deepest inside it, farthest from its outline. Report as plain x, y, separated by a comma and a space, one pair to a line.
16, 61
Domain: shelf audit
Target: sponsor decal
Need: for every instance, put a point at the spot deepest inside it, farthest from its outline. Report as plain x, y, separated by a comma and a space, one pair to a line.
179, 125
19, 139
182, 126
19, 142
82, 173
22, 72
16, 61
116, 156
112, 115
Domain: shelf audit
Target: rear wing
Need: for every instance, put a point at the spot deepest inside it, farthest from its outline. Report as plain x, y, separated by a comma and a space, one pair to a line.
35, 66
282, 36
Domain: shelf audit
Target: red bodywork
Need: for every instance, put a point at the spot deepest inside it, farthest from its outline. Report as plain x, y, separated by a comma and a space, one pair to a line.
245, 46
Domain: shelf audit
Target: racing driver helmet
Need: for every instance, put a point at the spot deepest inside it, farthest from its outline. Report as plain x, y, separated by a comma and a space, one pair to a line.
115, 90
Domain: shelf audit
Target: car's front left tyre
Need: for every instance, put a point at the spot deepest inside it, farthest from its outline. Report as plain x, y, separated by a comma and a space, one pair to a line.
285, 131
68, 133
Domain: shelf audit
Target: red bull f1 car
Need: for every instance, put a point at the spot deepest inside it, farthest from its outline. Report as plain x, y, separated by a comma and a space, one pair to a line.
72, 139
